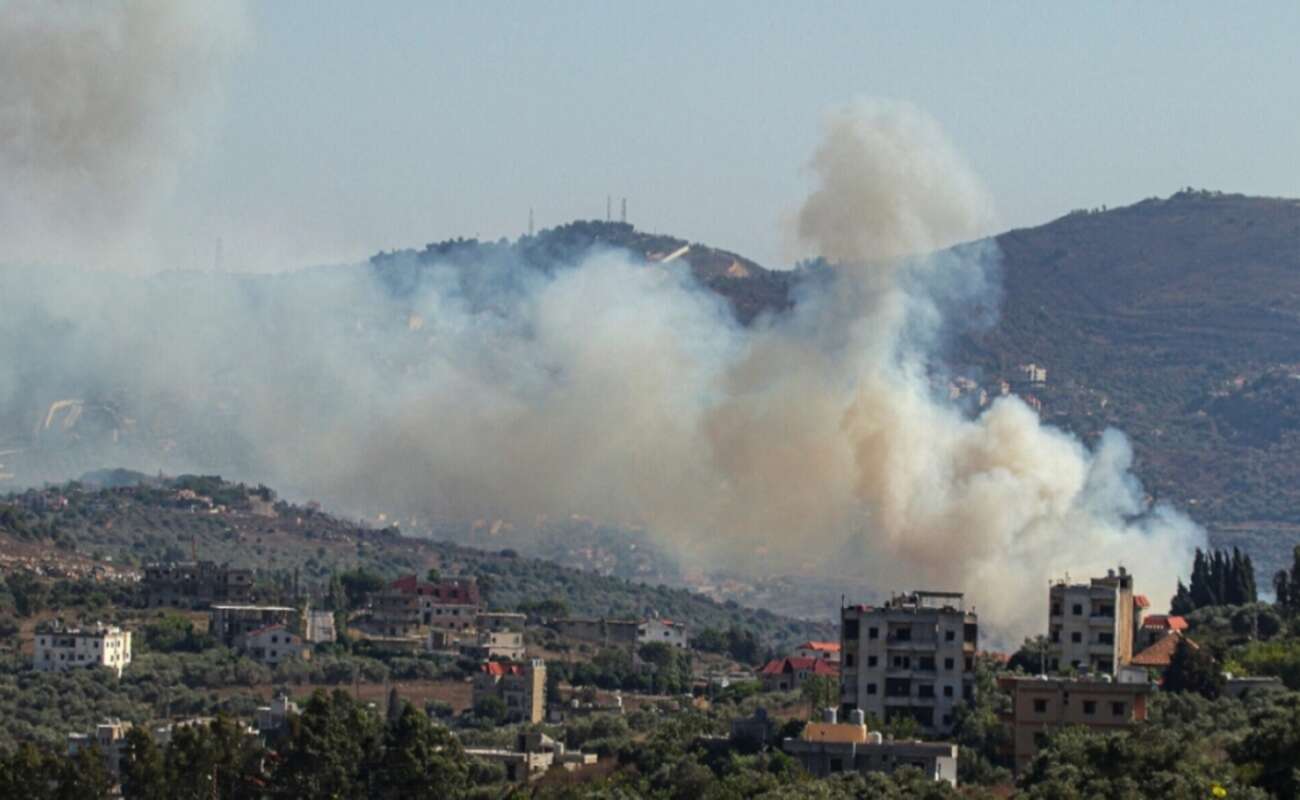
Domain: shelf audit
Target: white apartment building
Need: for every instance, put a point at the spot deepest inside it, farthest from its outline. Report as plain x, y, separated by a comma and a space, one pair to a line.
1091, 626
59, 648
913, 656
271, 645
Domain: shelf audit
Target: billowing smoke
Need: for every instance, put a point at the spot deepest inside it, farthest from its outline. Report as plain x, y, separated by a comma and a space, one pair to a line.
811, 441
99, 104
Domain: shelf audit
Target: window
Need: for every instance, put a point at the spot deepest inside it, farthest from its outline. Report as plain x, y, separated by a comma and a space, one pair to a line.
850, 629
1040, 705
848, 659
1077, 610
927, 663
903, 634
871, 688
871, 661
902, 662
1119, 709
1106, 638
925, 690
873, 633
1056, 609
1090, 707
947, 690
948, 663
949, 636
947, 720
1076, 637
837, 765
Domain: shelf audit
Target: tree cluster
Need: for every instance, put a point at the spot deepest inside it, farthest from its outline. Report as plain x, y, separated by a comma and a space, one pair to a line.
1219, 578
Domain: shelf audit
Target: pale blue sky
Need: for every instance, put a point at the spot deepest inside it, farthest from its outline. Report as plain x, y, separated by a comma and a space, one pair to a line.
350, 127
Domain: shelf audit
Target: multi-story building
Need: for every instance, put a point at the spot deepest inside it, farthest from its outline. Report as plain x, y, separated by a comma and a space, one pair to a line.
195, 584
229, 624
520, 685
1092, 626
320, 627
913, 656
59, 648
408, 606
830, 747
1041, 705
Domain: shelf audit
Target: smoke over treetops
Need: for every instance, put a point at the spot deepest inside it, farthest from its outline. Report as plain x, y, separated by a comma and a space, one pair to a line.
811, 439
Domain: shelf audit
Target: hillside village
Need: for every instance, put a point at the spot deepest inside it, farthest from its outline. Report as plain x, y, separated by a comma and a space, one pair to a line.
142, 645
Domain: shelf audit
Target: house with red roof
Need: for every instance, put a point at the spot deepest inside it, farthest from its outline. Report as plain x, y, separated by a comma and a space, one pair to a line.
1158, 626
1159, 655
789, 674
520, 685
272, 644
824, 651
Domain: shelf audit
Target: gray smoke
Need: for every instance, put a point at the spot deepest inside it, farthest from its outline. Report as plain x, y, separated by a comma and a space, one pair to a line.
811, 442
99, 104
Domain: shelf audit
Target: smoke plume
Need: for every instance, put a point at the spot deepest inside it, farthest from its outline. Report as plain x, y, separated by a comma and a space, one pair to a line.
99, 104
811, 441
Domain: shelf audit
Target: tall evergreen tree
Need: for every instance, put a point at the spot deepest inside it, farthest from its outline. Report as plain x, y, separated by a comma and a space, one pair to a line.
1282, 588
144, 773
420, 760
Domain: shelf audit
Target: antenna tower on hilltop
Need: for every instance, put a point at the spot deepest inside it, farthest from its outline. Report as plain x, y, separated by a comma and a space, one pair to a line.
623, 215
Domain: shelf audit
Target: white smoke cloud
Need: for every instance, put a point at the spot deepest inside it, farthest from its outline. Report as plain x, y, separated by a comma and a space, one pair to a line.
812, 441
100, 104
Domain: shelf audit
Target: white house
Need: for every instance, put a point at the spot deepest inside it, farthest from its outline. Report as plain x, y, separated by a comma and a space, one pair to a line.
271, 645
58, 648
662, 630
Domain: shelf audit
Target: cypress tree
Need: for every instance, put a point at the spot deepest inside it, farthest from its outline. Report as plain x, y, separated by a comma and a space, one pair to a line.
1282, 588
1200, 589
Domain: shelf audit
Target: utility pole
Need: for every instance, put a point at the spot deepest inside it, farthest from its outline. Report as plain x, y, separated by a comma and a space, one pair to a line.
609, 207
623, 216
530, 222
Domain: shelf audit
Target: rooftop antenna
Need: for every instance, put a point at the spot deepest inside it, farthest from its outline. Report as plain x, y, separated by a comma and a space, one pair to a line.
530, 222
624, 213
609, 208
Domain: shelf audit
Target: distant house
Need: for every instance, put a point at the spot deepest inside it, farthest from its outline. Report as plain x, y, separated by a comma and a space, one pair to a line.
1040, 706
272, 644
789, 674
58, 648
599, 631
409, 606
534, 755
825, 651
195, 584
228, 623
663, 631
521, 686
830, 747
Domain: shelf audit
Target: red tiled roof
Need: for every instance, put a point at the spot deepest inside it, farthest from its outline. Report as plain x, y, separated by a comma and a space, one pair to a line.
816, 666
1141, 601
1166, 622
830, 647
1161, 653
498, 668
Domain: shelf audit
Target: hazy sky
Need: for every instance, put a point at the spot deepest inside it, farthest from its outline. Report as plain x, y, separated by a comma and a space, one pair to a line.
352, 127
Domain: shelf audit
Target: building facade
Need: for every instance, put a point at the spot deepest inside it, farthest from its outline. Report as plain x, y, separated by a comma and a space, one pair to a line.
521, 686
271, 645
409, 606
607, 632
663, 631
823, 651
789, 674
59, 648
228, 624
913, 656
1092, 626
1041, 705
195, 584
830, 747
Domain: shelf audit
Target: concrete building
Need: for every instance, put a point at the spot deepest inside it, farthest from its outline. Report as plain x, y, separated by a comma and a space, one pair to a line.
1092, 626
110, 738
663, 631
409, 606
521, 686
913, 656
1041, 705
789, 674
58, 648
533, 756
273, 719
488, 644
195, 584
272, 644
606, 632
823, 651
320, 627
229, 623
829, 747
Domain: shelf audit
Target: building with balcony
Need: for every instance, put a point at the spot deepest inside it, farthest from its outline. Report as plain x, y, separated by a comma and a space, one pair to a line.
1092, 626
1041, 705
409, 606
913, 656
58, 648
